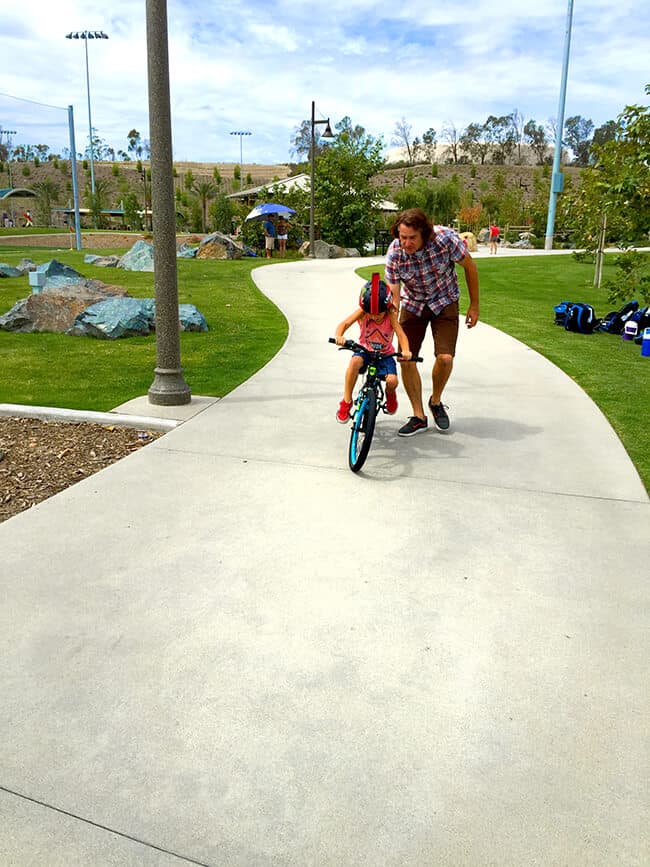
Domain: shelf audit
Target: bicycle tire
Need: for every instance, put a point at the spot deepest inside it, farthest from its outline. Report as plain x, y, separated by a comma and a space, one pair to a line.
363, 427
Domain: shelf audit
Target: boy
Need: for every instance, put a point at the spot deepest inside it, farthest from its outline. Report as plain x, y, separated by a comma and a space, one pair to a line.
377, 318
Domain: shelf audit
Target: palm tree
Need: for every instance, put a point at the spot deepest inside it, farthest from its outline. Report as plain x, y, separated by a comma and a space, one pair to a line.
99, 200
47, 193
205, 190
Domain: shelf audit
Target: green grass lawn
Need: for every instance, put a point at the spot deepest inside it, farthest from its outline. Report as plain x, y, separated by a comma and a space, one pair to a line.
518, 296
80, 373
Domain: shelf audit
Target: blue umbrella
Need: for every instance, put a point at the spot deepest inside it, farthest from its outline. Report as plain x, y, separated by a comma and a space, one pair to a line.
260, 212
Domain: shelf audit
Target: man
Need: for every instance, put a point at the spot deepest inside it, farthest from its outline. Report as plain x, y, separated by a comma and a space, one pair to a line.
269, 237
421, 260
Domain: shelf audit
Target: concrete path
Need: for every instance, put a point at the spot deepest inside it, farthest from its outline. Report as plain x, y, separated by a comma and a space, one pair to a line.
227, 649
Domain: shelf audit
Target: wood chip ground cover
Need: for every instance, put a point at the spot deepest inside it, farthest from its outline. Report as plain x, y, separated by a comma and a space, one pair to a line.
40, 458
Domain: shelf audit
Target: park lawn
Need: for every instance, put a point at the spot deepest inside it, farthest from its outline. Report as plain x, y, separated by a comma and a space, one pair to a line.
246, 330
518, 296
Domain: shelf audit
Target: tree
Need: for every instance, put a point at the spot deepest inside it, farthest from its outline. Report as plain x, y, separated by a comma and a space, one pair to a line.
425, 150
206, 191
535, 135
604, 133
301, 140
222, 211
472, 142
450, 135
345, 198
577, 135
98, 201
498, 134
402, 139
517, 125
617, 188
135, 143
47, 193
131, 211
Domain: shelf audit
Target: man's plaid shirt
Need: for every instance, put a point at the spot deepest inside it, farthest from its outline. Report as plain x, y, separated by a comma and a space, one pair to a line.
428, 277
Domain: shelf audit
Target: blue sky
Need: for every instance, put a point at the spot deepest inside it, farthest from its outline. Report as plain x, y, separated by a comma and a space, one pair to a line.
257, 66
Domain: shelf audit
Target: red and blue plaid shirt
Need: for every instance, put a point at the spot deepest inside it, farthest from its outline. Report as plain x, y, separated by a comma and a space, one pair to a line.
428, 276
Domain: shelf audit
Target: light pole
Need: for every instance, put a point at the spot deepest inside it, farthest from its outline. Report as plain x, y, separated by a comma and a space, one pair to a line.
86, 35
241, 133
557, 178
327, 134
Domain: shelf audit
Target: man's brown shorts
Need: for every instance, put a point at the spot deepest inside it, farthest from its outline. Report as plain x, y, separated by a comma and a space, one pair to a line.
444, 327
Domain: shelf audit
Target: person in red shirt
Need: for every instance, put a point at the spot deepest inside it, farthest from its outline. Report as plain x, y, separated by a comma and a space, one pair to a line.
494, 239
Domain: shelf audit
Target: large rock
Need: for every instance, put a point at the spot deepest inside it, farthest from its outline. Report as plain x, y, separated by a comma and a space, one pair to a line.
56, 308
184, 251
129, 317
323, 250
470, 241
9, 271
138, 258
58, 275
102, 261
115, 317
219, 246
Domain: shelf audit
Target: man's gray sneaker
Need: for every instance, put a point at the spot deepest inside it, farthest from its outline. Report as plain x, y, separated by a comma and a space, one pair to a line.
439, 413
413, 425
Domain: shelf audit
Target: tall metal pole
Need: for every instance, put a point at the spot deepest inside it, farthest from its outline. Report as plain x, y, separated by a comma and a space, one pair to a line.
90, 122
241, 133
169, 387
312, 160
557, 179
75, 184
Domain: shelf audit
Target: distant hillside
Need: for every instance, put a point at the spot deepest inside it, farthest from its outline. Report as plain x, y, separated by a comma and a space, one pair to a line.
520, 176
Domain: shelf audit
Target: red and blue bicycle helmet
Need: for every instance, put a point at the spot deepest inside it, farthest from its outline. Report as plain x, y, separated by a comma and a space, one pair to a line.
375, 297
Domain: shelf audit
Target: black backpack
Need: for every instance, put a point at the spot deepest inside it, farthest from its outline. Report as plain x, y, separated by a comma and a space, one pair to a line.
581, 318
614, 322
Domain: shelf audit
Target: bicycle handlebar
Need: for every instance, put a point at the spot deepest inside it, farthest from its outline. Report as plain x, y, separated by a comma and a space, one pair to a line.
353, 346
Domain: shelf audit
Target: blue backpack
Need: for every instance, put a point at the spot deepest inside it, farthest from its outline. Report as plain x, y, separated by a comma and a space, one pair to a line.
576, 316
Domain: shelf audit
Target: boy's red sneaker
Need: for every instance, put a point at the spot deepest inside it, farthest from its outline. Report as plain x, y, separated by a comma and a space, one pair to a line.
343, 412
391, 402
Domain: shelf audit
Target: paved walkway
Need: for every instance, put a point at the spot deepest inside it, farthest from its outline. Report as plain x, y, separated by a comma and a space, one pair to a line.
229, 650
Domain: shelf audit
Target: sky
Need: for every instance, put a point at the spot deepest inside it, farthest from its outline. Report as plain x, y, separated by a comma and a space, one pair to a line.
256, 66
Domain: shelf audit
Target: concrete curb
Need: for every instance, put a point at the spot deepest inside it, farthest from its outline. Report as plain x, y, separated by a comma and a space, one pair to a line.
48, 413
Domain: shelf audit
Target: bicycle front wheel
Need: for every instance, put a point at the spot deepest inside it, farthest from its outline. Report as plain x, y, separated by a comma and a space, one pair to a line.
363, 427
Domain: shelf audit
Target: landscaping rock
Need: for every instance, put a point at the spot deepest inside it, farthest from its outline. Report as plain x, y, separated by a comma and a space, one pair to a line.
9, 271
323, 250
102, 261
138, 258
114, 318
57, 274
26, 265
219, 246
184, 251
191, 319
470, 241
56, 308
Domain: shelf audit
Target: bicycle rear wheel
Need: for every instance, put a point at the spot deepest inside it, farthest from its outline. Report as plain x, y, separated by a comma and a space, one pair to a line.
363, 427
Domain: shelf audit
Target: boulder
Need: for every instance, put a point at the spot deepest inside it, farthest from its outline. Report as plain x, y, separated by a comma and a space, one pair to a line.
219, 246
191, 319
56, 308
323, 250
138, 258
184, 251
128, 317
9, 271
115, 317
58, 275
26, 265
470, 241
102, 261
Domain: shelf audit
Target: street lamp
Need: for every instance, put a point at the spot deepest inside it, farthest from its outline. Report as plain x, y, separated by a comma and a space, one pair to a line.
241, 133
86, 35
327, 134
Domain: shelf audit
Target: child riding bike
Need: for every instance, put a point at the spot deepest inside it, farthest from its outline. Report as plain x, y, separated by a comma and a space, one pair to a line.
377, 318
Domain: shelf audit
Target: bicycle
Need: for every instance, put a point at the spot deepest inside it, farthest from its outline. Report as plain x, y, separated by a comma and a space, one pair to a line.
370, 401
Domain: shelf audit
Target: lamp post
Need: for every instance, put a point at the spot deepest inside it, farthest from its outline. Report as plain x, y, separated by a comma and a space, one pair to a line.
86, 35
327, 134
557, 178
241, 134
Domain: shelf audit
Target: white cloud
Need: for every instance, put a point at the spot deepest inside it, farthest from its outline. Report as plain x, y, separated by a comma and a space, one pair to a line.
253, 66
